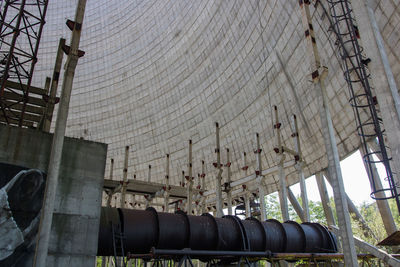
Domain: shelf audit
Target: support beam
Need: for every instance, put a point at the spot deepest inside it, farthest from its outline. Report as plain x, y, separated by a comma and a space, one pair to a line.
247, 206
282, 178
189, 178
228, 187
296, 205
58, 142
323, 192
260, 178
218, 188
166, 193
318, 75
124, 178
53, 88
299, 167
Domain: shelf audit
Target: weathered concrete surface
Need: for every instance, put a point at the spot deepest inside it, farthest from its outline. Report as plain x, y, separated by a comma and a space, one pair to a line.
73, 240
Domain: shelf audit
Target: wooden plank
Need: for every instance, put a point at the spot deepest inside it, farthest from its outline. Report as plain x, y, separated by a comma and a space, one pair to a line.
32, 89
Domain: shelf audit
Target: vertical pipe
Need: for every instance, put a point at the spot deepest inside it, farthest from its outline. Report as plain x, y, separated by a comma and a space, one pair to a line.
42, 245
260, 178
166, 193
189, 203
53, 88
281, 172
299, 168
323, 192
318, 75
219, 175
124, 178
229, 191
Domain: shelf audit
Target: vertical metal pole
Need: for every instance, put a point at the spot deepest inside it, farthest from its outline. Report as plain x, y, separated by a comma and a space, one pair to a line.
124, 178
229, 191
190, 182
346, 234
42, 245
166, 193
53, 89
323, 192
260, 178
299, 168
282, 177
218, 189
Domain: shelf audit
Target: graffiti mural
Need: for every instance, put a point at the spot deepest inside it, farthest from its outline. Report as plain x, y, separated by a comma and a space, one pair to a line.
21, 196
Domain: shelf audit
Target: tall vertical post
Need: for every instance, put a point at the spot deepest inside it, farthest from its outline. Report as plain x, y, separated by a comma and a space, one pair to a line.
318, 75
53, 87
58, 142
299, 168
228, 187
281, 172
124, 178
323, 192
260, 178
247, 206
189, 203
218, 189
166, 193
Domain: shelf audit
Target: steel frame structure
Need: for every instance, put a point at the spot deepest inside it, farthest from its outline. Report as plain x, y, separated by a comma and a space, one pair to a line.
21, 25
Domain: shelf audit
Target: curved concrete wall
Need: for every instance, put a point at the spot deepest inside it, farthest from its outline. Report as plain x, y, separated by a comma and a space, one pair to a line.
157, 73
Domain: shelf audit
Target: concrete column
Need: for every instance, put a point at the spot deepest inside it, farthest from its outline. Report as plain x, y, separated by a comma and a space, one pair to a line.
299, 168
166, 193
296, 205
385, 85
281, 172
124, 178
247, 204
53, 87
229, 191
318, 74
189, 203
323, 192
260, 178
42, 245
218, 189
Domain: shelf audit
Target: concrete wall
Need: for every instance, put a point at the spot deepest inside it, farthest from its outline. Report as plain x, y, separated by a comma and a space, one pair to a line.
73, 240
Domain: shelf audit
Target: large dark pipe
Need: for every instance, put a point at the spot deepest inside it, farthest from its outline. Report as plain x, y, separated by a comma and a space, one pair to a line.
146, 229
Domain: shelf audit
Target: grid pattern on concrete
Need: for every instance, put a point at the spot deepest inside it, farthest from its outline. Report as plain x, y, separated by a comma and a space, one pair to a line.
158, 73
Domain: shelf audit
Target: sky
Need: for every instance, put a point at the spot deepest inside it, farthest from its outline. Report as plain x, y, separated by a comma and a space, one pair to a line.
355, 180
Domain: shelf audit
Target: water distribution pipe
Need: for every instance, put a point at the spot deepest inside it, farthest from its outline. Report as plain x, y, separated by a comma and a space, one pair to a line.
143, 230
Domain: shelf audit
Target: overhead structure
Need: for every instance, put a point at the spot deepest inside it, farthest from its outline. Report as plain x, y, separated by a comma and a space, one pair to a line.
21, 26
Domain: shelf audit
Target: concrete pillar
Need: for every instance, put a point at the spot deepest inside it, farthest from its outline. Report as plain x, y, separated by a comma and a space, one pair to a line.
385, 85
229, 191
166, 193
53, 87
58, 142
318, 74
299, 168
124, 178
323, 192
383, 205
281, 172
296, 205
260, 178
189, 203
247, 204
218, 188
